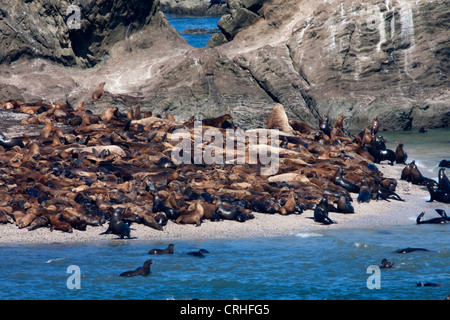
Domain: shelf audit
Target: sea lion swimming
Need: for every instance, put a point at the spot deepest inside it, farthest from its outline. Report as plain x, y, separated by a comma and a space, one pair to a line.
117, 226
442, 219
168, 250
385, 264
408, 250
141, 271
428, 284
199, 253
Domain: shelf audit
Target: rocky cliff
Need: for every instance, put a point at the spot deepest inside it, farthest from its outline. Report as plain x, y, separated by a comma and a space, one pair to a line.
357, 58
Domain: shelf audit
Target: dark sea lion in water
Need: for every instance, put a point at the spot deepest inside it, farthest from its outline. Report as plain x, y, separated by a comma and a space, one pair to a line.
444, 163
442, 219
400, 155
385, 264
340, 181
199, 253
117, 226
428, 284
321, 212
141, 271
408, 250
443, 182
168, 250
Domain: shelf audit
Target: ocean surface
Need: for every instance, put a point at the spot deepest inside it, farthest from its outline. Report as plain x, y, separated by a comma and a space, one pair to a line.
183, 22
333, 264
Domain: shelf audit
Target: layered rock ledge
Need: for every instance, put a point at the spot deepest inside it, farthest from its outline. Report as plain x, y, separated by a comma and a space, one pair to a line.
360, 59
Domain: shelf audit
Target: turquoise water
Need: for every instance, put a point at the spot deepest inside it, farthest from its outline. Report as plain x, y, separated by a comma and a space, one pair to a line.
183, 22
427, 149
323, 265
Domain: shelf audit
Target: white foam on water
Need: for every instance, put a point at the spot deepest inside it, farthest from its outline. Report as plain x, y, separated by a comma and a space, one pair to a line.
308, 235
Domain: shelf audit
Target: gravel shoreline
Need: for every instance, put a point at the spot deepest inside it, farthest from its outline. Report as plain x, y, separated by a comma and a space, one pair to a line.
368, 215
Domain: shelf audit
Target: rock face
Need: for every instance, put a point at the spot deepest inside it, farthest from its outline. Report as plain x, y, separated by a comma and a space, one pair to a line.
194, 7
69, 34
360, 59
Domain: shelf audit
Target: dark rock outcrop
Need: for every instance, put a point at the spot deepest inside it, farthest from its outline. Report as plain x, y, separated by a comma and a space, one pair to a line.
194, 7
73, 35
360, 59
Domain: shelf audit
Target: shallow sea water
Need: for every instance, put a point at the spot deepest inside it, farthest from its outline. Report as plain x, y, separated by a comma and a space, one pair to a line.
299, 266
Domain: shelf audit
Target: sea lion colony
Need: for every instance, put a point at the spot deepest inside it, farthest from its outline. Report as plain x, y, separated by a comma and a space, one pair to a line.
119, 165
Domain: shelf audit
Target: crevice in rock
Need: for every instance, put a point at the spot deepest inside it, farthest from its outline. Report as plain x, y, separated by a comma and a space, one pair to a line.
260, 84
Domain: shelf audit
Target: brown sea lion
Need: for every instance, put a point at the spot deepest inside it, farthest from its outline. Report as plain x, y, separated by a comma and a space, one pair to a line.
57, 224
137, 113
301, 126
339, 124
168, 250
46, 131
141, 271
344, 205
99, 92
374, 126
290, 205
400, 155
109, 114
39, 222
195, 215
278, 119
217, 122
